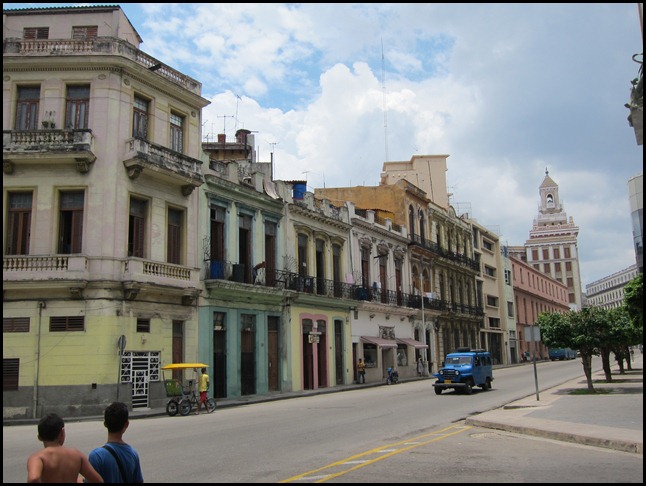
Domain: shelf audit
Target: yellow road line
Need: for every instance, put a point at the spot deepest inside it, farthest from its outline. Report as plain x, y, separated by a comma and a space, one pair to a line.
383, 451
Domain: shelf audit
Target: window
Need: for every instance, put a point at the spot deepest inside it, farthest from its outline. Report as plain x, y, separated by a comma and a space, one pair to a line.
302, 255
70, 235
85, 32
176, 132
566, 252
568, 266
143, 325
494, 322
140, 118
510, 309
175, 217
137, 227
218, 321
557, 267
77, 107
508, 277
557, 254
65, 324
546, 254
33, 33
492, 301
402, 359
490, 271
218, 214
487, 245
18, 223
27, 108
370, 355
15, 324
534, 255
10, 373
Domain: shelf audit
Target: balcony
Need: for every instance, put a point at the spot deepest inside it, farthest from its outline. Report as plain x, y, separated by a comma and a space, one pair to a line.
48, 147
163, 163
76, 271
99, 46
458, 258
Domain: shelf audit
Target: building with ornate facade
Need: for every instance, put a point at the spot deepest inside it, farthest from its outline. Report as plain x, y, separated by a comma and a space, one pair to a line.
101, 162
552, 247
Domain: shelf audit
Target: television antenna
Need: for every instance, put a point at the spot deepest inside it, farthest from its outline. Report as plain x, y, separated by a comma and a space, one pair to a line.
383, 92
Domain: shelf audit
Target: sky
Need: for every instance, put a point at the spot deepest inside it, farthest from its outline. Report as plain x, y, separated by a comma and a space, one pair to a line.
508, 91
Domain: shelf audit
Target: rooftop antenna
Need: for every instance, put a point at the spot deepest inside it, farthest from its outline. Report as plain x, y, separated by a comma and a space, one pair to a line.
224, 122
271, 159
237, 100
383, 90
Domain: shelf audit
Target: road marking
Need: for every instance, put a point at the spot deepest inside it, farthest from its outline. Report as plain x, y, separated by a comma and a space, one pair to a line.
356, 462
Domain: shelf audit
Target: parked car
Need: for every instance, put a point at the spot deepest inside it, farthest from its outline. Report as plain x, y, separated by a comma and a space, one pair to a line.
562, 354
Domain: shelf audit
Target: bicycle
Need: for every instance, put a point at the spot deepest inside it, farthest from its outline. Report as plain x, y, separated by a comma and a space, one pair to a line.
190, 400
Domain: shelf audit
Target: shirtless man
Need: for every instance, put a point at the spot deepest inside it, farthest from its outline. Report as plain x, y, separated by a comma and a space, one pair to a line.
55, 463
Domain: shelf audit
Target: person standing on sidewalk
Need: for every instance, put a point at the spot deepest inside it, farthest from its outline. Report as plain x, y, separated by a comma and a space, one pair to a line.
203, 388
361, 369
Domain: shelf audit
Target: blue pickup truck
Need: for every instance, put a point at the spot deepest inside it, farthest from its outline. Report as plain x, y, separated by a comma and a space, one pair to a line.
463, 369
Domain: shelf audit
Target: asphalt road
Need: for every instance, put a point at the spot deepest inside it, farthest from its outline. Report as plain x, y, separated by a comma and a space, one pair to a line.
399, 433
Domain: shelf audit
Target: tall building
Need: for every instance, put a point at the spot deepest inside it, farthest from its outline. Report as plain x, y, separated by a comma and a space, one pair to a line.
636, 201
608, 292
552, 247
489, 287
101, 159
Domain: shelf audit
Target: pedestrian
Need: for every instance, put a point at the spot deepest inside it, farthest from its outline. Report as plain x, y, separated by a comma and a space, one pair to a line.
56, 463
116, 461
420, 367
361, 368
203, 389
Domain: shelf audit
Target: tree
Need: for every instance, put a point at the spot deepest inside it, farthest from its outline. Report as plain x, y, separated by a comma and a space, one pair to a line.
634, 302
583, 330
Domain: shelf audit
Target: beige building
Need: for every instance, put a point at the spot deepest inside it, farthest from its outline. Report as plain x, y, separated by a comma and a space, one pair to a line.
608, 292
101, 159
490, 291
442, 262
552, 247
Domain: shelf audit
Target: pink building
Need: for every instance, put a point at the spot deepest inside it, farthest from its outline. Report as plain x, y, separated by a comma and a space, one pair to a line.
534, 293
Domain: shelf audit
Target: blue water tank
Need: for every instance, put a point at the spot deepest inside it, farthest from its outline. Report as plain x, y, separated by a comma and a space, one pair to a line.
299, 189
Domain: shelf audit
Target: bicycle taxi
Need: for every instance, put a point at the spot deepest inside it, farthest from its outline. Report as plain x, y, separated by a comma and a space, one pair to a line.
183, 397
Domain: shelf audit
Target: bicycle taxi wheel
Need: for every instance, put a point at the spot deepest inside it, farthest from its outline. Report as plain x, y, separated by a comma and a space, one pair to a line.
172, 407
210, 405
185, 407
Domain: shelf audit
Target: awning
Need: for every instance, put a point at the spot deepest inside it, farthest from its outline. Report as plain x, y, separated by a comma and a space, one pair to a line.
412, 342
382, 343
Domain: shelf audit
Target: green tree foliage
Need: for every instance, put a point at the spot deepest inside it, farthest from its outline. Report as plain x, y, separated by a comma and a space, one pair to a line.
634, 302
584, 330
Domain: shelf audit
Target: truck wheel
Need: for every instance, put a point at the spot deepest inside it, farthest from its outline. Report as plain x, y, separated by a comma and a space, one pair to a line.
468, 389
487, 385
438, 390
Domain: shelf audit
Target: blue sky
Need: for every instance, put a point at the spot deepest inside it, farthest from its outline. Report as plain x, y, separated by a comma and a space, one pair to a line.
506, 90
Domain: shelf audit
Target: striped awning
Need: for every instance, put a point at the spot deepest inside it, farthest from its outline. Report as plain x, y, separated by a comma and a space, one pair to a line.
412, 342
382, 343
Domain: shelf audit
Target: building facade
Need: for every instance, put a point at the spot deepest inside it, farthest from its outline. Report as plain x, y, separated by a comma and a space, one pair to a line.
608, 292
534, 293
101, 160
636, 202
552, 246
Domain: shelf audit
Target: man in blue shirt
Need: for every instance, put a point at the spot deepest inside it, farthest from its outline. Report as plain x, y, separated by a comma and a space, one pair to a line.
116, 461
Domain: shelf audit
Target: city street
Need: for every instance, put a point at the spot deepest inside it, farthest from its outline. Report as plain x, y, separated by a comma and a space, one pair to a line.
398, 433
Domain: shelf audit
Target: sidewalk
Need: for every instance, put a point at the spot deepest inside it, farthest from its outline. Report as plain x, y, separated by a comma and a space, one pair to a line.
613, 419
